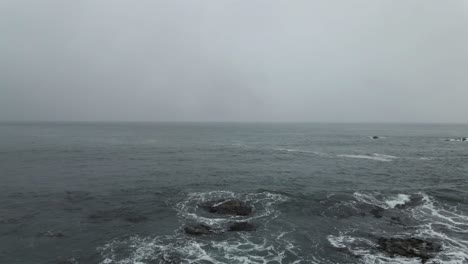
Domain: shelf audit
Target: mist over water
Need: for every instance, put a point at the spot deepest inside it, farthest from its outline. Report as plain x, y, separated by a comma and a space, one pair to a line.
283, 61
121, 193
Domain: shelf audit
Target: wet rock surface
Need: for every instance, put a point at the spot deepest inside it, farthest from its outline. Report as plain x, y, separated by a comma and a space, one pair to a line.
229, 207
198, 229
242, 226
409, 247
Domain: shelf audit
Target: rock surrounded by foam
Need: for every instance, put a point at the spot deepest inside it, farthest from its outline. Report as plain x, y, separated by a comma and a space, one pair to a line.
198, 229
229, 207
242, 226
409, 247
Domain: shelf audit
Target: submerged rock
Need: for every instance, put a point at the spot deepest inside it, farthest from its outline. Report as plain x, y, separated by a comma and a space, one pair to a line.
242, 226
198, 229
377, 212
409, 247
229, 207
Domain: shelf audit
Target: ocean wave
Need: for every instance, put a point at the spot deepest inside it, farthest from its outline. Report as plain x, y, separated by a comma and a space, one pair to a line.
300, 151
427, 158
375, 156
386, 203
178, 249
271, 246
431, 221
262, 203
463, 139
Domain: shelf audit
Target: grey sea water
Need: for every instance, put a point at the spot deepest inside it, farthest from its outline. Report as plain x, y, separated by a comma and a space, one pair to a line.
120, 193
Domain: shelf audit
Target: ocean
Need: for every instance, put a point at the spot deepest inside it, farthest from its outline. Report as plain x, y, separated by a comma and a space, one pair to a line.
122, 193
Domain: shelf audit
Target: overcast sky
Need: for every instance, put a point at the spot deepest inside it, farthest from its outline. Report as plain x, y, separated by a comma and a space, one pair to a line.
244, 60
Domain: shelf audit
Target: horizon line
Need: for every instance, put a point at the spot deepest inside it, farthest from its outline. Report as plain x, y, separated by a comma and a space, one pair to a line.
229, 122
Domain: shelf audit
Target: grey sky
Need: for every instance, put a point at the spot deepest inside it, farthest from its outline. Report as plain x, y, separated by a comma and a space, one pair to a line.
219, 60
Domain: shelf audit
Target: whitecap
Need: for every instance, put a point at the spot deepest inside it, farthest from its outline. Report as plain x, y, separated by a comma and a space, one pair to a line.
300, 151
375, 156
434, 222
400, 199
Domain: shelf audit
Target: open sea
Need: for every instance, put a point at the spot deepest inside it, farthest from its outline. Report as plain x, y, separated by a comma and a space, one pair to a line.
121, 193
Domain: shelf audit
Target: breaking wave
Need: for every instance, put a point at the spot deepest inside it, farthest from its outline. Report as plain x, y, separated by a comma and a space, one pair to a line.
263, 246
430, 220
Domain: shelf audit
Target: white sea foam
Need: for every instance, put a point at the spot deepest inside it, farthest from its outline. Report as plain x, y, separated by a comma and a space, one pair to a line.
300, 151
375, 156
426, 158
384, 202
240, 249
400, 199
369, 199
456, 140
275, 247
445, 225
262, 203
142, 250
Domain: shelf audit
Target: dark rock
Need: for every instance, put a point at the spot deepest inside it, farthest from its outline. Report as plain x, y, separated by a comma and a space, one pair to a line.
198, 229
242, 226
229, 207
377, 212
409, 247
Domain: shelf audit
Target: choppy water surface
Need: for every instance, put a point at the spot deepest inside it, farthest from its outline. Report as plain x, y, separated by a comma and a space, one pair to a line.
121, 193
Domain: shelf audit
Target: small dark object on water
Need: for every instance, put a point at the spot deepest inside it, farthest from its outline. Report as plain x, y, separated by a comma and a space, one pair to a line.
409, 247
229, 207
198, 229
464, 139
375, 137
242, 226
